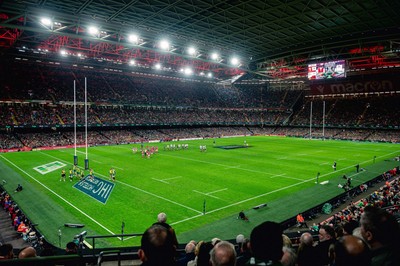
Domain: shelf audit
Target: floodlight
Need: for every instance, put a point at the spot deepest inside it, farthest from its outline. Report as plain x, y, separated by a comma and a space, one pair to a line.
209, 75
132, 62
188, 71
79, 54
214, 56
93, 30
201, 73
63, 52
46, 22
234, 61
158, 66
164, 45
192, 51
133, 38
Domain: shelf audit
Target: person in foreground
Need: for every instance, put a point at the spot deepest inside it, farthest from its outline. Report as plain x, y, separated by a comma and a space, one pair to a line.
223, 254
157, 247
382, 233
266, 244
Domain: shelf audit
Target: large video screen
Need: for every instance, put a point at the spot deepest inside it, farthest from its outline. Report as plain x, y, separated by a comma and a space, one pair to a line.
327, 70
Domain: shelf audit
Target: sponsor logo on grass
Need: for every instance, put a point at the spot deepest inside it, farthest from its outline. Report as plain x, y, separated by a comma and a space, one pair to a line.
97, 188
50, 167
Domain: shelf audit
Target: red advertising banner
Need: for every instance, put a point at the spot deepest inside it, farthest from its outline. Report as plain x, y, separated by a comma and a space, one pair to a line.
378, 84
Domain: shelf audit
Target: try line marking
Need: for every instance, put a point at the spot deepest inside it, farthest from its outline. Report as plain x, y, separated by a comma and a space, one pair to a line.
53, 192
227, 166
164, 180
211, 192
139, 189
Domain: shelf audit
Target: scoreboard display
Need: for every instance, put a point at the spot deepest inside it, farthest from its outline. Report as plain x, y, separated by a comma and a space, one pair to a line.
327, 70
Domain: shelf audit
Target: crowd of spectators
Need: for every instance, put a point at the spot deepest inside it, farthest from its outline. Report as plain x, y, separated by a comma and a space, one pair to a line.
13, 140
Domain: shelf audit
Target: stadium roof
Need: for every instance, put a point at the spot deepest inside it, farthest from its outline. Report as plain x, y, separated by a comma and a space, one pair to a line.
274, 38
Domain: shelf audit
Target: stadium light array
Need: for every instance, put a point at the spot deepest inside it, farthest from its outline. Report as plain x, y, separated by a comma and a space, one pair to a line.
209, 75
157, 66
192, 51
188, 71
93, 30
46, 22
235, 61
133, 38
132, 62
214, 56
164, 45
63, 52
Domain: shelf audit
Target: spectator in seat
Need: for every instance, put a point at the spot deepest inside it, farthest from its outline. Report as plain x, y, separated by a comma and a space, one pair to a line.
162, 220
381, 231
300, 221
189, 254
157, 247
71, 248
223, 254
27, 252
305, 251
350, 250
6, 252
244, 255
266, 244
323, 251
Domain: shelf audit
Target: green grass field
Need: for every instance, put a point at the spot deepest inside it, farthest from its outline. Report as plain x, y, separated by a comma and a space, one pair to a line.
275, 170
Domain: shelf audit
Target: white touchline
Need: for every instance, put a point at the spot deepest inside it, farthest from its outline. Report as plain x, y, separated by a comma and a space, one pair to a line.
144, 191
69, 203
205, 194
215, 191
160, 180
262, 195
160, 197
225, 166
175, 177
252, 198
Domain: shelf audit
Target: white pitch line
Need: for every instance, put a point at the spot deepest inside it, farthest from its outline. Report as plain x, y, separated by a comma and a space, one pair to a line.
206, 194
160, 180
279, 175
342, 159
222, 165
215, 191
118, 168
81, 152
324, 163
232, 167
96, 161
264, 194
141, 190
282, 158
170, 178
160, 197
53, 192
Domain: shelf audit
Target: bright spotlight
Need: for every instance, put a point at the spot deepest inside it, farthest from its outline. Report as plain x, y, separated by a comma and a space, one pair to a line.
158, 66
164, 45
79, 54
235, 61
214, 56
192, 51
132, 62
63, 52
46, 22
209, 75
93, 30
201, 73
188, 71
133, 38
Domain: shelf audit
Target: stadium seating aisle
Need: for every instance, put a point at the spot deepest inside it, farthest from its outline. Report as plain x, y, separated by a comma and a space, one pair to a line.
8, 234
